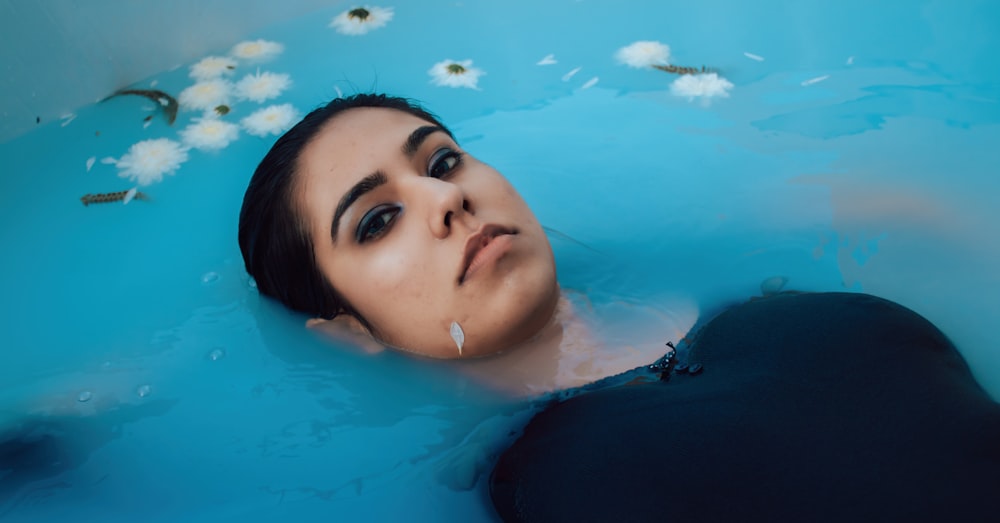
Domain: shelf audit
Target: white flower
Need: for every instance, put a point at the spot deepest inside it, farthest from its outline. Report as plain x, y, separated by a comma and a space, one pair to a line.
257, 50
707, 85
209, 134
212, 67
274, 119
206, 95
360, 20
147, 161
451, 73
262, 86
644, 54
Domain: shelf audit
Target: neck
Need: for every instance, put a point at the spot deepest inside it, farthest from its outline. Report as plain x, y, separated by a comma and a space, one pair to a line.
565, 353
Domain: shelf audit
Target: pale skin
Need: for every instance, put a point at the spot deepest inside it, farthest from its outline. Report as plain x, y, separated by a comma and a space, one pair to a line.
415, 233
399, 251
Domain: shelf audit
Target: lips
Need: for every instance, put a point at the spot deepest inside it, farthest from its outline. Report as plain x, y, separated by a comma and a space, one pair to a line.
475, 256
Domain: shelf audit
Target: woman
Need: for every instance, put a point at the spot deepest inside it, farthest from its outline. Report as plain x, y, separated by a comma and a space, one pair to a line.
368, 216
815, 407
369, 210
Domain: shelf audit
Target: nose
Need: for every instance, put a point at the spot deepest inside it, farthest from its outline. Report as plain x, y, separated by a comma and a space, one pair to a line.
449, 207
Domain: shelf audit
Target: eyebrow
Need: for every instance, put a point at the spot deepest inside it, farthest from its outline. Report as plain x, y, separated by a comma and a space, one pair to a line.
364, 186
378, 178
417, 137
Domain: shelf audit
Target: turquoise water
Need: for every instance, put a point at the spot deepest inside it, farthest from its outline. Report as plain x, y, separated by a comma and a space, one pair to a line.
204, 402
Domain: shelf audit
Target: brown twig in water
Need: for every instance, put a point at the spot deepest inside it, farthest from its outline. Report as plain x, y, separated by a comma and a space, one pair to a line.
677, 69
162, 99
108, 197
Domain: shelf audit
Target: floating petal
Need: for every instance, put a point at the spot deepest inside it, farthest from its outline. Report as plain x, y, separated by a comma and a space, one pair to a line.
571, 74
548, 60
458, 335
815, 80
129, 195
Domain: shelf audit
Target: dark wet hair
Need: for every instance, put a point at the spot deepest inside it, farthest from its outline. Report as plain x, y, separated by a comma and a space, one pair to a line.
275, 242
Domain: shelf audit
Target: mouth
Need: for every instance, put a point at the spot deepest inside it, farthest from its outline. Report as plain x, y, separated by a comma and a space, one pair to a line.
478, 250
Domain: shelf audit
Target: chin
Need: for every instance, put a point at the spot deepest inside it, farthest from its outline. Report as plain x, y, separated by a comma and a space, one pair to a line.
517, 330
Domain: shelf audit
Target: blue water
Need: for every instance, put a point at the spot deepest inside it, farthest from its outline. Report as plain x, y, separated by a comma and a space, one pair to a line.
206, 403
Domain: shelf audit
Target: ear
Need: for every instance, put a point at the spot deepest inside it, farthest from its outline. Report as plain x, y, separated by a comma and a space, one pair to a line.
346, 328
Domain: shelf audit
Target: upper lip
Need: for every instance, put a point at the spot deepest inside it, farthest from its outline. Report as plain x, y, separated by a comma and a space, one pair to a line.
474, 244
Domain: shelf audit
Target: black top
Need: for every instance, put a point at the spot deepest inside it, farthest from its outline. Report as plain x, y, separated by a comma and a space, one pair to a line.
807, 407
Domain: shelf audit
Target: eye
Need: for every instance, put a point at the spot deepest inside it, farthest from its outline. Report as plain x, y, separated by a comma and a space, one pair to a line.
376, 222
443, 162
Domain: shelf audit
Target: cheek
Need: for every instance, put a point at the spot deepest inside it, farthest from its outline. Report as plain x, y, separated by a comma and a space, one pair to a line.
392, 279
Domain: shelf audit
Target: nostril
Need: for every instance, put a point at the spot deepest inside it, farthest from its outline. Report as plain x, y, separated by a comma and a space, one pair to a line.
447, 219
466, 206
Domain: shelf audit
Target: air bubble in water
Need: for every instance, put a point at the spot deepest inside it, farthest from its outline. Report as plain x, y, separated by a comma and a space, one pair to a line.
210, 277
252, 283
216, 354
84, 396
143, 391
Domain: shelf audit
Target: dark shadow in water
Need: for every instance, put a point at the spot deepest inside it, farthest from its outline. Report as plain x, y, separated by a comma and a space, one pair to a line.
35, 448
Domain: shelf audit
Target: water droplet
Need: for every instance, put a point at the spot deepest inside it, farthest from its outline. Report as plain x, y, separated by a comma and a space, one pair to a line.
84, 396
773, 285
216, 354
209, 277
143, 390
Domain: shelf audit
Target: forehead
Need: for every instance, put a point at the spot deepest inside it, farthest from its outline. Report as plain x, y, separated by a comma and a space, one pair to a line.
362, 128
348, 147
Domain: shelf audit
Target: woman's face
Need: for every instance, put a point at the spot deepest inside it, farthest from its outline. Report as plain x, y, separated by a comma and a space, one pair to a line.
416, 234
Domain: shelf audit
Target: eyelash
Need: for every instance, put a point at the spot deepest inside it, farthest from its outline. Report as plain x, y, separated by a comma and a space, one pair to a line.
439, 158
376, 222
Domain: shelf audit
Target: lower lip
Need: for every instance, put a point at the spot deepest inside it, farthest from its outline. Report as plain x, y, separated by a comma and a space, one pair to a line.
497, 247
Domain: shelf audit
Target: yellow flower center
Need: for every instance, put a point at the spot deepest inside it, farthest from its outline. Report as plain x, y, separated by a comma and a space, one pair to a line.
359, 12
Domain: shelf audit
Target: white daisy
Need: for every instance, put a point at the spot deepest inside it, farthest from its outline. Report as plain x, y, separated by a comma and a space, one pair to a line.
262, 86
206, 95
271, 120
360, 20
212, 67
706, 86
209, 134
644, 54
451, 73
147, 161
257, 50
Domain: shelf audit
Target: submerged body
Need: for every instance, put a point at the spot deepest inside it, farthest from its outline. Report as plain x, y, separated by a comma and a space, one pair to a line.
809, 407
